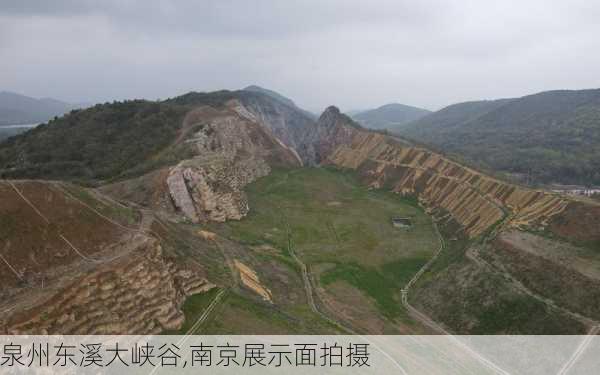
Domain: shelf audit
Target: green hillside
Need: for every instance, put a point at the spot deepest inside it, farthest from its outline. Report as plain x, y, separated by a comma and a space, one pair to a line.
389, 115
109, 141
549, 137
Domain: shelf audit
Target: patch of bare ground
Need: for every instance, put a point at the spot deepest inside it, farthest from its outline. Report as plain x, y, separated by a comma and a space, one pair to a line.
149, 190
579, 223
561, 253
555, 274
44, 229
470, 299
71, 263
251, 281
351, 306
265, 249
207, 235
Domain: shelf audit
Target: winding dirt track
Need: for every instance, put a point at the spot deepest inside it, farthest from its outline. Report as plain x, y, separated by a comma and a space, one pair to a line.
307, 280
416, 314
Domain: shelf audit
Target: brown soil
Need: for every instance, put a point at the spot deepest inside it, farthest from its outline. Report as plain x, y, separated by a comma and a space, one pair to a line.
578, 222
33, 246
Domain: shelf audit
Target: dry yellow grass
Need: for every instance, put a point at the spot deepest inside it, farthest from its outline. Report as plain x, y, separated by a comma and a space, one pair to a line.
250, 280
206, 235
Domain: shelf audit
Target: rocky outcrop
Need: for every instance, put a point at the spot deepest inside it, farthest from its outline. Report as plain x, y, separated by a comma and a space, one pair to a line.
141, 293
231, 150
474, 200
331, 130
311, 140
204, 194
287, 123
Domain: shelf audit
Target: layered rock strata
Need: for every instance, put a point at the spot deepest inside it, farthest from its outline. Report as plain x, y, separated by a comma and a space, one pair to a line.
141, 293
231, 150
474, 200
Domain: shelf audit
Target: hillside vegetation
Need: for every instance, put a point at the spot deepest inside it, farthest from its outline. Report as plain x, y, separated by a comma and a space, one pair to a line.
549, 137
108, 141
97, 143
389, 115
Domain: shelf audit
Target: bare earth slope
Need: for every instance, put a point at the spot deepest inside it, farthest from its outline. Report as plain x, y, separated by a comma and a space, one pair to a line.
73, 264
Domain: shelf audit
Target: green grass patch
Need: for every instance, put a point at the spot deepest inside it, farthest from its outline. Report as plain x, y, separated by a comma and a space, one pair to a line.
370, 281
240, 314
334, 219
193, 308
383, 286
402, 270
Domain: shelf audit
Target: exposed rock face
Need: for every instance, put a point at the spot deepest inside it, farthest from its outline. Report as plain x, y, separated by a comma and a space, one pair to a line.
474, 200
331, 130
232, 149
141, 293
312, 140
201, 194
287, 123
180, 194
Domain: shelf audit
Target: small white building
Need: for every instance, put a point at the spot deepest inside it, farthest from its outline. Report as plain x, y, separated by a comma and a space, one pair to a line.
401, 222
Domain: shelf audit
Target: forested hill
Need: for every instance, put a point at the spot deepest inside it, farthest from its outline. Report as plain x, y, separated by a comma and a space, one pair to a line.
116, 140
389, 115
552, 136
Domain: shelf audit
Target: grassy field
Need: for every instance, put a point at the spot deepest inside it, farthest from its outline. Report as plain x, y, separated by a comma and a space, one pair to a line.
340, 229
239, 314
193, 308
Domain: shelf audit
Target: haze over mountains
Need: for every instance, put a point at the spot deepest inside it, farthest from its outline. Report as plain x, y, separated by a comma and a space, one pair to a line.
389, 115
21, 109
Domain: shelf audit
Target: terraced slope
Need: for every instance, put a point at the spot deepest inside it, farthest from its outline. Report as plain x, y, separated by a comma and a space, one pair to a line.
474, 200
76, 264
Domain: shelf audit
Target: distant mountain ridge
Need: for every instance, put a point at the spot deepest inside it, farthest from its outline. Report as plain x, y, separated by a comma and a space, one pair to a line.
552, 136
20, 109
389, 115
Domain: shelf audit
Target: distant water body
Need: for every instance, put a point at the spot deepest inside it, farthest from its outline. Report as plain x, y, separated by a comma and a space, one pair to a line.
18, 126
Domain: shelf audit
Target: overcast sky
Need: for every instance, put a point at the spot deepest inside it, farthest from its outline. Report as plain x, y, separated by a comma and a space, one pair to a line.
354, 54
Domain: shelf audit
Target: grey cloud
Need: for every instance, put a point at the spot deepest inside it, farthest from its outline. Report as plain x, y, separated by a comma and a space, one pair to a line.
355, 54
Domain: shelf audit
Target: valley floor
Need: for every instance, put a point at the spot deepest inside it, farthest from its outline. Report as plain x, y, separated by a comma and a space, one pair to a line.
327, 251
324, 257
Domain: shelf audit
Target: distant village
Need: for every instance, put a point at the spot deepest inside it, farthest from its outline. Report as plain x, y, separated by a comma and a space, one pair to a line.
576, 190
